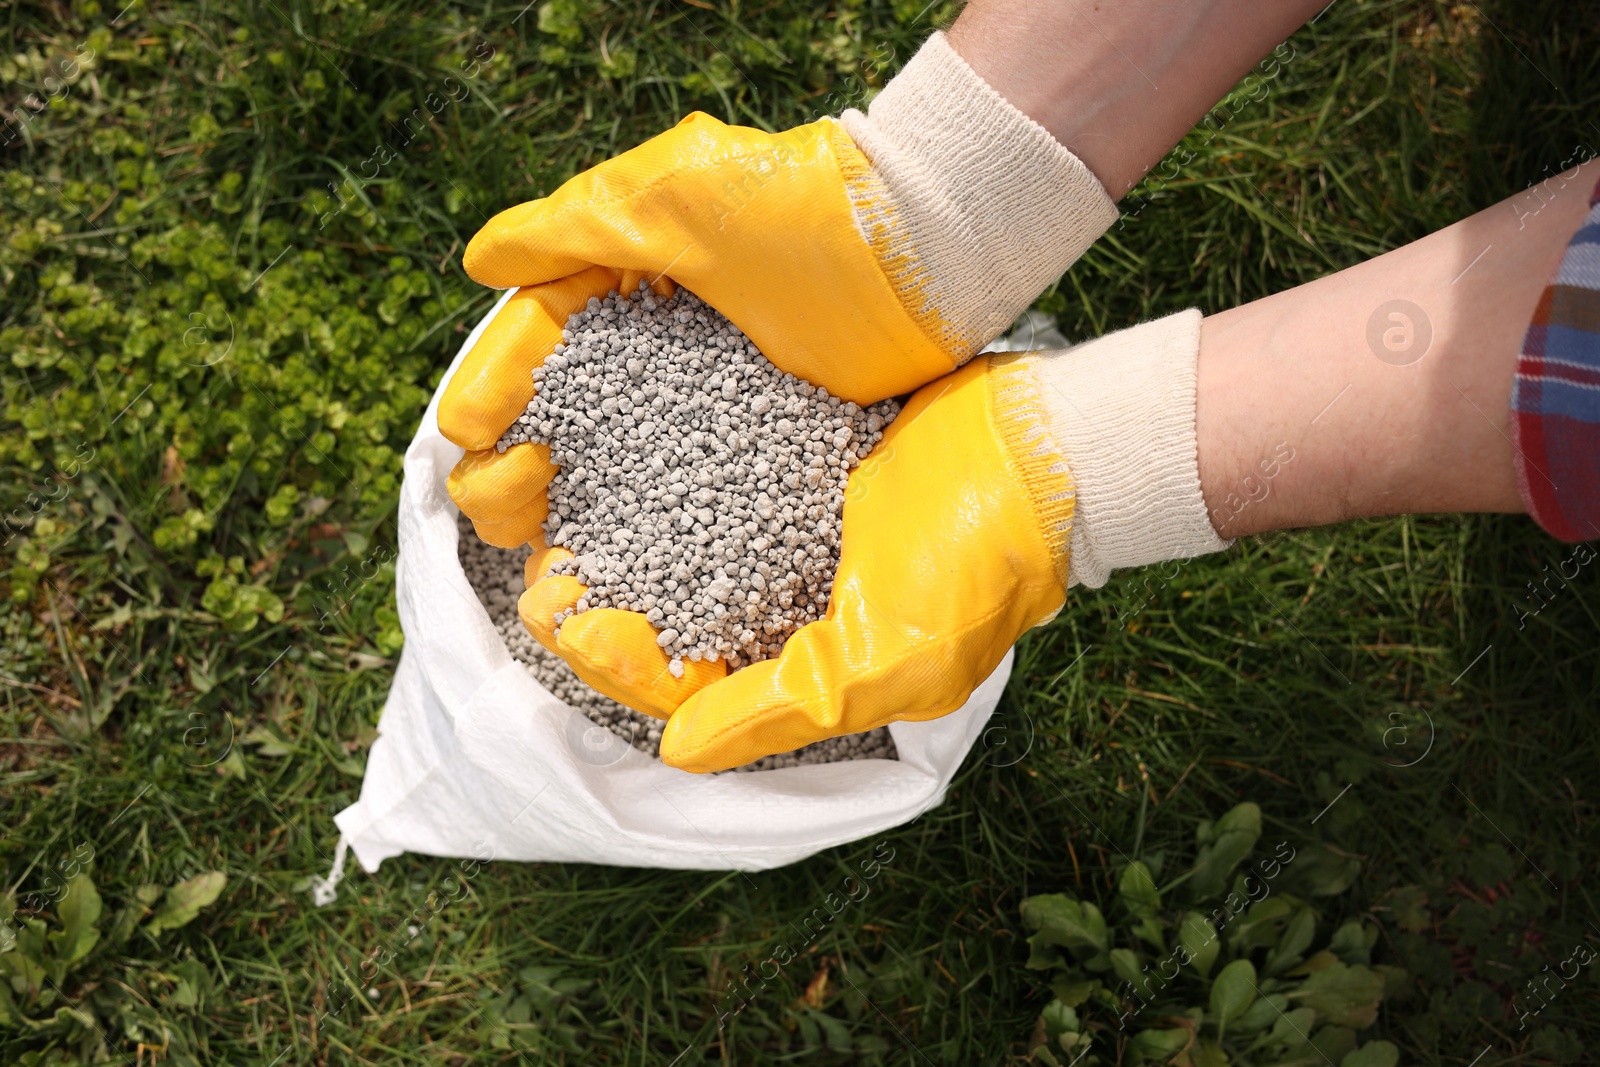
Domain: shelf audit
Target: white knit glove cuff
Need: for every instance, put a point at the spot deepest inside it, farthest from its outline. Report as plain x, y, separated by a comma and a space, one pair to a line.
973, 207
1122, 412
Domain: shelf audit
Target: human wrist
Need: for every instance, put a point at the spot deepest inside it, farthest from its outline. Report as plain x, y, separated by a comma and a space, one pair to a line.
1120, 94
1122, 415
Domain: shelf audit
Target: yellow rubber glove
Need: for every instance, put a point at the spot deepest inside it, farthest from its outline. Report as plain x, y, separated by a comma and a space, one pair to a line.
709, 203
760, 226
955, 542
716, 207
704, 201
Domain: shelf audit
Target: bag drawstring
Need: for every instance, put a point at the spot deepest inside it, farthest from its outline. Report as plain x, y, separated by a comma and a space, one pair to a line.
324, 890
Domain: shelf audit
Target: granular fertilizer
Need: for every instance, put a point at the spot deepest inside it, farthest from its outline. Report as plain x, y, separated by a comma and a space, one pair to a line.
496, 575
698, 484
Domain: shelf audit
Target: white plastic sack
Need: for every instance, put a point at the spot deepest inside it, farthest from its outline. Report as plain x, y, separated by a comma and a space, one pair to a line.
476, 759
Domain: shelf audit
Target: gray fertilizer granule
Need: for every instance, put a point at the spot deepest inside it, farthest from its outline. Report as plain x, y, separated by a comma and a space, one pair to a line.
697, 483
496, 576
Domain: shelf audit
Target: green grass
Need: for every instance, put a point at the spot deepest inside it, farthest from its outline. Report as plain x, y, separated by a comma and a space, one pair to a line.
167, 204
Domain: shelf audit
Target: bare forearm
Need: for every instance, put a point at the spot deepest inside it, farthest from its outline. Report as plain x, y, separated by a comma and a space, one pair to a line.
1120, 84
1386, 385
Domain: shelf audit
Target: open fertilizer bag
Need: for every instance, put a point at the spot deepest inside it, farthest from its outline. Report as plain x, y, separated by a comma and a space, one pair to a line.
475, 759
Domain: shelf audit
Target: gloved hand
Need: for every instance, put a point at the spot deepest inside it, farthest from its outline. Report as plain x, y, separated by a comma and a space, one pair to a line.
955, 535
958, 532
868, 254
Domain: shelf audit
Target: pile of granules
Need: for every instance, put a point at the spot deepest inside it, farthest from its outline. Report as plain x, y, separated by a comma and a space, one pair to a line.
496, 575
698, 484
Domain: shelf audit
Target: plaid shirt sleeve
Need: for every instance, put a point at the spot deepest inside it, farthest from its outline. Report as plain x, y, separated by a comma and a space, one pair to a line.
1555, 397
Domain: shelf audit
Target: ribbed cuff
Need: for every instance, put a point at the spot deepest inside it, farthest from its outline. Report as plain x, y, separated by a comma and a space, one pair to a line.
1122, 409
989, 207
